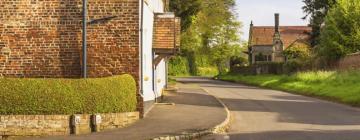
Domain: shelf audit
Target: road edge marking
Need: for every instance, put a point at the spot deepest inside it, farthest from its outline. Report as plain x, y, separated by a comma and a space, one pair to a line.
218, 129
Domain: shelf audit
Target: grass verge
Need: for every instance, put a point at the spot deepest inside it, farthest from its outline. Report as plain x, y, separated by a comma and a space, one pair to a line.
342, 87
67, 96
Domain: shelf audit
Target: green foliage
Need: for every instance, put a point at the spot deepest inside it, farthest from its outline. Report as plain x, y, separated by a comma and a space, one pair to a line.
210, 33
297, 55
67, 96
291, 66
341, 33
339, 86
207, 71
317, 10
178, 66
187, 10
298, 51
238, 61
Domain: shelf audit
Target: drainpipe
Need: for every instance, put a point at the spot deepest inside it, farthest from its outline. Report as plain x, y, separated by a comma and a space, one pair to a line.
141, 48
84, 43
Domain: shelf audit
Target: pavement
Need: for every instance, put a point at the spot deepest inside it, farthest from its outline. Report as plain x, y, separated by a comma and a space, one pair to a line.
262, 114
194, 110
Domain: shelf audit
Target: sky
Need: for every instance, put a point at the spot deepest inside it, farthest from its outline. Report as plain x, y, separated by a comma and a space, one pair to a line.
261, 12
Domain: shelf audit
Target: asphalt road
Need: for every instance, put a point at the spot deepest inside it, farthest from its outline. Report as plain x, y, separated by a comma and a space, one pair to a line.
261, 114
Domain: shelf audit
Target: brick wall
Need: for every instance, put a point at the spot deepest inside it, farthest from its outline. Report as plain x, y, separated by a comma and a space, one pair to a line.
46, 125
43, 38
166, 31
351, 61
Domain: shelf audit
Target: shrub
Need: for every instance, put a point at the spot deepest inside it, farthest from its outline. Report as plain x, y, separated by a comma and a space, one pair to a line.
67, 96
298, 50
292, 66
207, 71
178, 66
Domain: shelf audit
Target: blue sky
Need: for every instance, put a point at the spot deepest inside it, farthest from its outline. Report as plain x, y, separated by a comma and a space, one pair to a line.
262, 13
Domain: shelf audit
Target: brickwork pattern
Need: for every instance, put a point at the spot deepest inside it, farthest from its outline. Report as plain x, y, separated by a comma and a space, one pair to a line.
350, 62
166, 31
43, 38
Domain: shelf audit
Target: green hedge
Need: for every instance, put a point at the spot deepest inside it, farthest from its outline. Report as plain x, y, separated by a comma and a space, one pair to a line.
178, 66
67, 96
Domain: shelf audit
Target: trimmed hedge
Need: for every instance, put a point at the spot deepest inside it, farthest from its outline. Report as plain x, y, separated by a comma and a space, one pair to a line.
67, 96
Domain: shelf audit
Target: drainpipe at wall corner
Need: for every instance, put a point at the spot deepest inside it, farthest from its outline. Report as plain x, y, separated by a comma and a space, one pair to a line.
141, 77
166, 72
84, 41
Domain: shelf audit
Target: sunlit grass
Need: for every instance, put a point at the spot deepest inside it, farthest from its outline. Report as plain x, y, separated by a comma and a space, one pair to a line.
339, 86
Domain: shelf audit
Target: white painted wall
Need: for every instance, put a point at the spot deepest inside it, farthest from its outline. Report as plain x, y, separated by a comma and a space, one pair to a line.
153, 83
160, 78
148, 93
157, 6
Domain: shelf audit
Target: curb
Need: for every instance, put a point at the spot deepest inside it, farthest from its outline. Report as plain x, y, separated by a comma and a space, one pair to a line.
220, 128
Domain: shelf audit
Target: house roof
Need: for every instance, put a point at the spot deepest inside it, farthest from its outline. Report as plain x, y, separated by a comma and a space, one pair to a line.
263, 35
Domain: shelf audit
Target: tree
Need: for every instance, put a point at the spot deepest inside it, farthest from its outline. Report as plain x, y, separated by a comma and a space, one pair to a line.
316, 10
341, 33
187, 10
298, 50
210, 34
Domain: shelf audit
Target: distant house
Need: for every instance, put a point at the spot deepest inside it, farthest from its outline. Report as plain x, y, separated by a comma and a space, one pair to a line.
42, 39
267, 43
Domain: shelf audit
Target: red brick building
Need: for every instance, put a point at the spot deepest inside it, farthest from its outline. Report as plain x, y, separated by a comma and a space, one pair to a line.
42, 39
266, 43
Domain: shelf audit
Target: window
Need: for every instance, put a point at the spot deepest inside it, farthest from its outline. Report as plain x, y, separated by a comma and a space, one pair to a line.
263, 58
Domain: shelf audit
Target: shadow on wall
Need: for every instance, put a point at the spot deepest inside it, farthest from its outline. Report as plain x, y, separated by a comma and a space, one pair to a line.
69, 34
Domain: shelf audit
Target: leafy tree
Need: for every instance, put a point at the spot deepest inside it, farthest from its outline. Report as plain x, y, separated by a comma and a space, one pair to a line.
210, 34
298, 50
187, 10
341, 33
317, 10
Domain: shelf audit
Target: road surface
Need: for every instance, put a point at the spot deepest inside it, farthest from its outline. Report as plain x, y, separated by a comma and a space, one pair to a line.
261, 114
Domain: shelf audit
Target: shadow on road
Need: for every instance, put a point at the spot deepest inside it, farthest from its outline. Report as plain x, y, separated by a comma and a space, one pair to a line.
288, 107
299, 135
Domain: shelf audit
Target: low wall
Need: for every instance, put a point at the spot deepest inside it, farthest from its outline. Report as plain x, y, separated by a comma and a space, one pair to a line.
33, 125
49, 125
260, 68
351, 61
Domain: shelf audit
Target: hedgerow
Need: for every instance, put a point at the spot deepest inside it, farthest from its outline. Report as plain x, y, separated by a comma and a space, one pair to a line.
67, 96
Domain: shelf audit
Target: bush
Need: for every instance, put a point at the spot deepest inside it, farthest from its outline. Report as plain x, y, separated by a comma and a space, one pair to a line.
178, 66
67, 96
207, 71
292, 66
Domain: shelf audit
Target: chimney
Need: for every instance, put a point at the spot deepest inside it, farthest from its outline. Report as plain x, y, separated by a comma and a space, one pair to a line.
277, 22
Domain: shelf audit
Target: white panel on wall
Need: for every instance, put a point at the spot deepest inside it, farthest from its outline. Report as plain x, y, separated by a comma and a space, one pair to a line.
157, 6
160, 78
147, 54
